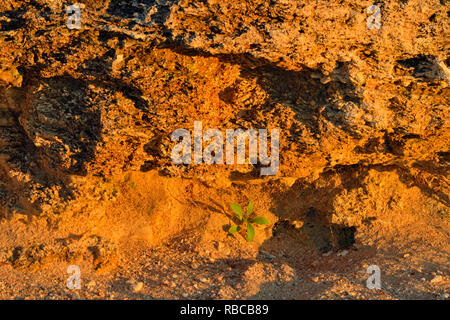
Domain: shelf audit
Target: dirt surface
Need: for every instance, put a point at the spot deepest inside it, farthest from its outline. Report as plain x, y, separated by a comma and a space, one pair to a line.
87, 179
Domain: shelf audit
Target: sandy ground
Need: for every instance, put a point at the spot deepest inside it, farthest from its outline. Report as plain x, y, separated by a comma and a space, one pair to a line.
183, 271
284, 262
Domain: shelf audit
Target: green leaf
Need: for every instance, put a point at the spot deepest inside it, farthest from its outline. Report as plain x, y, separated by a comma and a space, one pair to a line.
260, 220
237, 209
249, 209
250, 232
234, 229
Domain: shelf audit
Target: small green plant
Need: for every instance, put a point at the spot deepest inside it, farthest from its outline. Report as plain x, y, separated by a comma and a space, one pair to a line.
133, 185
245, 221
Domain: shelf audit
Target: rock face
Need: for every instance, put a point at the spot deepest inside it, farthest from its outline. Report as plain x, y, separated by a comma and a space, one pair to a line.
104, 99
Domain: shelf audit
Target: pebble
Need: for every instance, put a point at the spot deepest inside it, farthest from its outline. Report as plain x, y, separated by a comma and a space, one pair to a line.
298, 224
119, 58
137, 287
91, 284
343, 253
436, 279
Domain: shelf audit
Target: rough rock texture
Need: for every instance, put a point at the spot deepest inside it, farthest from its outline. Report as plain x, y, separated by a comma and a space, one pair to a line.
342, 95
363, 114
